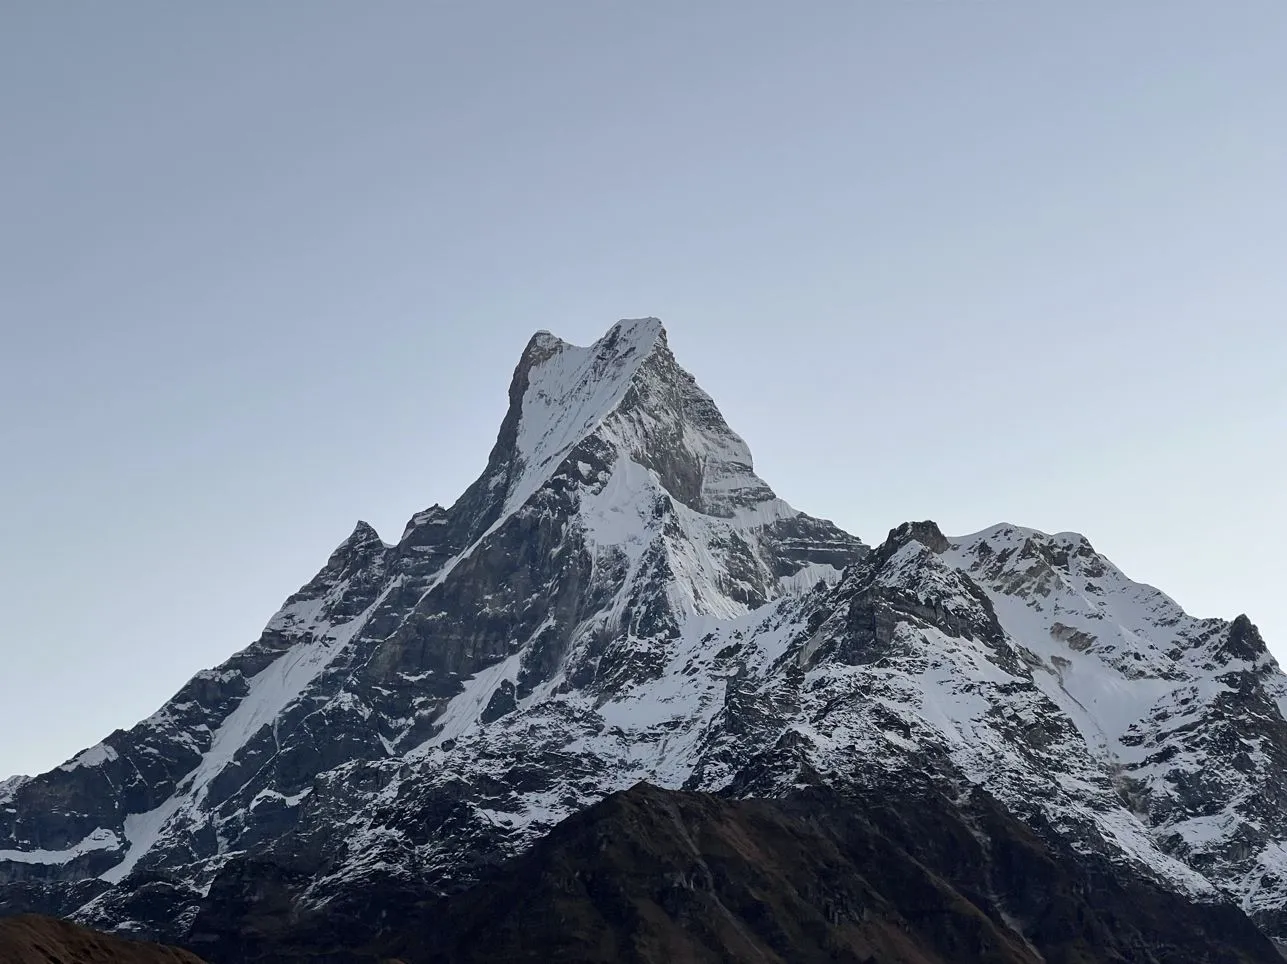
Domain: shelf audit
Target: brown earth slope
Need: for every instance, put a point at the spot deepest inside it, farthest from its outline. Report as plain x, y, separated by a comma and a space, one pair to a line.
657, 877
32, 939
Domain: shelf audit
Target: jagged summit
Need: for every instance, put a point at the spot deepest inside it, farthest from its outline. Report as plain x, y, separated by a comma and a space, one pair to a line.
625, 336
363, 535
617, 513
623, 423
561, 393
628, 393
619, 597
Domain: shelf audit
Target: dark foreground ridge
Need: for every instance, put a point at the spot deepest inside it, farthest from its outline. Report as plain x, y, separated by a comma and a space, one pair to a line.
32, 939
662, 877
652, 876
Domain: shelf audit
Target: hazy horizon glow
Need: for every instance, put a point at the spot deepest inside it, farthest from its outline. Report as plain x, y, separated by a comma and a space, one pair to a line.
267, 271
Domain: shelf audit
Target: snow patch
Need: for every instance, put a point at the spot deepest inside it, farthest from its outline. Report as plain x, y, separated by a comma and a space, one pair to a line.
569, 394
9, 787
99, 839
462, 712
93, 757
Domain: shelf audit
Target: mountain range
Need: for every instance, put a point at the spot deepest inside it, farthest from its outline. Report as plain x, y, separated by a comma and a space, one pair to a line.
940, 748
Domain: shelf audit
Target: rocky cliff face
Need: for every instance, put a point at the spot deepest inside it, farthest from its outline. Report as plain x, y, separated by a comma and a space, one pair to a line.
620, 598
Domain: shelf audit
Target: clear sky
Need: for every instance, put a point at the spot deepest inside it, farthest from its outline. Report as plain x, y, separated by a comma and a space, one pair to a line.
266, 269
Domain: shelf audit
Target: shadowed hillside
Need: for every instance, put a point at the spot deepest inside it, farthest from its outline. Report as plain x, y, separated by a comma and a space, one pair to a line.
31, 939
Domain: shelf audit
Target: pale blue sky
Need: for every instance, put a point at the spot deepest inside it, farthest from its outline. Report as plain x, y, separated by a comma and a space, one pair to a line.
266, 268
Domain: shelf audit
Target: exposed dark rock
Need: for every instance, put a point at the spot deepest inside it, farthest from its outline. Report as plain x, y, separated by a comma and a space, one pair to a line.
659, 877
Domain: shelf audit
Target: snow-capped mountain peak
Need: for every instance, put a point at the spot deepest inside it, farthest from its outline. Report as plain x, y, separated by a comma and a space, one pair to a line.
565, 392
619, 597
616, 508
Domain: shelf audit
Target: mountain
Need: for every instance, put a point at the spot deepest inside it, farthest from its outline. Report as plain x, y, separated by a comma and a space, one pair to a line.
30, 939
661, 877
619, 598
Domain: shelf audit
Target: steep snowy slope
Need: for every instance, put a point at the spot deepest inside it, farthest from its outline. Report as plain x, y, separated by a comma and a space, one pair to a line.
620, 598
1187, 713
616, 509
907, 666
903, 666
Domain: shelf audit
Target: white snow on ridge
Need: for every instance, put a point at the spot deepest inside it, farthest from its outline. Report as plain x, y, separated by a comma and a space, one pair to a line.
569, 393
141, 832
9, 786
652, 730
1134, 673
617, 517
287, 801
1102, 639
270, 692
461, 714
95, 756
99, 839
1100, 699
620, 522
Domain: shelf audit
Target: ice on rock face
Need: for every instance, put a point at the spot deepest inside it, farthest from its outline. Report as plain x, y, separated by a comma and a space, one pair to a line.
570, 391
9, 787
99, 839
619, 597
1107, 648
1189, 722
95, 756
